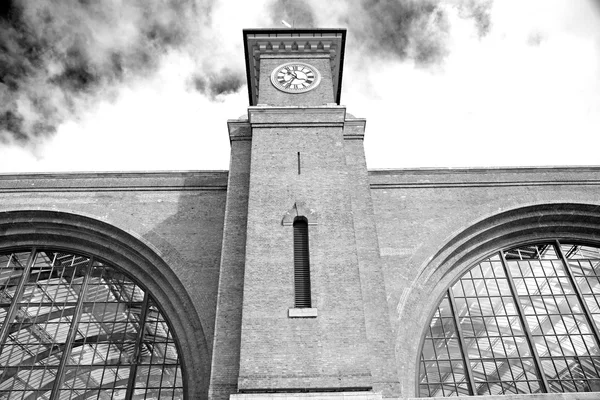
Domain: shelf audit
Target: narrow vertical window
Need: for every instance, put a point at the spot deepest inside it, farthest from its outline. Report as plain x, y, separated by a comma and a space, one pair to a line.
301, 264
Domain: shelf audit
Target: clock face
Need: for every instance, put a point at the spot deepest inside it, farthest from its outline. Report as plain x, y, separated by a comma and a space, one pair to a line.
295, 77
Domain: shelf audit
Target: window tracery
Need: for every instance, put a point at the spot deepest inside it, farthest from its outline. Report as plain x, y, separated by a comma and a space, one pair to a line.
74, 326
524, 320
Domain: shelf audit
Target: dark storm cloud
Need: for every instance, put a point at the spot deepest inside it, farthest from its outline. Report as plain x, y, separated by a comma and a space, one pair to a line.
12, 123
418, 30
225, 81
6, 7
403, 29
78, 74
296, 13
57, 56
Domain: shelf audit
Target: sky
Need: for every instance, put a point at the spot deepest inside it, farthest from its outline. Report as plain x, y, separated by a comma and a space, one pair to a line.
137, 85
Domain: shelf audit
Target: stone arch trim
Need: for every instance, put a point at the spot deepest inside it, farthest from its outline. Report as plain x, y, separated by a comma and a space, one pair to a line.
300, 210
513, 227
88, 236
566, 221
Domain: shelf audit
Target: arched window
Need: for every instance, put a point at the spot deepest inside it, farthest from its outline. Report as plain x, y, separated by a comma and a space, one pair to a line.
76, 327
524, 320
301, 264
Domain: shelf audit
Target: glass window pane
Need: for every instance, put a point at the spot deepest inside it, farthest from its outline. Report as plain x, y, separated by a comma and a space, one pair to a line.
441, 358
89, 316
495, 339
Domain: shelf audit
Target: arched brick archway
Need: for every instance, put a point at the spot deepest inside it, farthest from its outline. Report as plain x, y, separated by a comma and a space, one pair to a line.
93, 238
563, 221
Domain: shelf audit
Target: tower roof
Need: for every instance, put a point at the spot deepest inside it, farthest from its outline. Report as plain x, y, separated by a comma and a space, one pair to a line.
290, 42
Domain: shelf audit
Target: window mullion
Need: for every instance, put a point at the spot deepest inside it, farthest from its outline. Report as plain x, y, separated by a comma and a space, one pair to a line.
462, 343
138, 345
588, 314
528, 335
12, 310
72, 333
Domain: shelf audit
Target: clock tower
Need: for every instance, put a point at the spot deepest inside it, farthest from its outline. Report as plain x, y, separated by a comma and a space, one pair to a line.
301, 287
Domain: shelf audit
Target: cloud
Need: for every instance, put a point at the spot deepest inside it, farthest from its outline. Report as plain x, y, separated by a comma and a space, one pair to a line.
109, 75
222, 82
531, 80
415, 30
480, 11
402, 29
59, 58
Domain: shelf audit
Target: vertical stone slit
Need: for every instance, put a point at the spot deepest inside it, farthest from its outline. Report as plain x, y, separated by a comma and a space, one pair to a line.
302, 298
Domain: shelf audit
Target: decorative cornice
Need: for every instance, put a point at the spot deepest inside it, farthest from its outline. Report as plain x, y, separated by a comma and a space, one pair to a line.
484, 177
239, 130
262, 116
298, 125
114, 182
436, 185
297, 43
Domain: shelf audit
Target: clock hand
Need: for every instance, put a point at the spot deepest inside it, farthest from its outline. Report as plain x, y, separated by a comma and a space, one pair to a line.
297, 77
292, 74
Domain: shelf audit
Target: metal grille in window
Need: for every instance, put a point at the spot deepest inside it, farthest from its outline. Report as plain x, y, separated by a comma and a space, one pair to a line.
301, 265
76, 328
525, 320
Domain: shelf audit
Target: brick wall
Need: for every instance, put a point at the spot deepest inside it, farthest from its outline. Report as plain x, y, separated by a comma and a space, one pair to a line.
278, 352
432, 225
177, 216
322, 94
